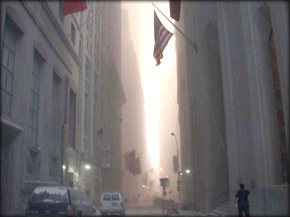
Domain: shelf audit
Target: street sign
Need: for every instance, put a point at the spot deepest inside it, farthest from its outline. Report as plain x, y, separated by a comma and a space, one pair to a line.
163, 182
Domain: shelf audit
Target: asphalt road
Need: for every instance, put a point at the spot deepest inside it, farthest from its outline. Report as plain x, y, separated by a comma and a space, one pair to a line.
153, 211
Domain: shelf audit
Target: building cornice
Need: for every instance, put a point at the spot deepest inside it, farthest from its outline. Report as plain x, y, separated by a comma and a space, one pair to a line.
60, 32
27, 5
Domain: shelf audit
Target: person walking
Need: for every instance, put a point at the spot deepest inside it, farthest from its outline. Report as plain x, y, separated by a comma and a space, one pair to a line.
241, 199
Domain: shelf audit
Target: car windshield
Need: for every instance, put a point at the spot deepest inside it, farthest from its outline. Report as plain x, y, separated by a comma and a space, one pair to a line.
115, 197
49, 195
107, 197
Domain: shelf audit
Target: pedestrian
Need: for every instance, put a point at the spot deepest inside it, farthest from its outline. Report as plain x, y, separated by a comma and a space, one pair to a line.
241, 199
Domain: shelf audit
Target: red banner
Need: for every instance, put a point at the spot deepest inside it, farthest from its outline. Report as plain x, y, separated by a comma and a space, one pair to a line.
73, 6
175, 9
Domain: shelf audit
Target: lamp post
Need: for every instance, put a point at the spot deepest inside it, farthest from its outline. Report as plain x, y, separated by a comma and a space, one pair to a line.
179, 172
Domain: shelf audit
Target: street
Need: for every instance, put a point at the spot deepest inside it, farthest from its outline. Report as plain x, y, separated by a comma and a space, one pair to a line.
153, 211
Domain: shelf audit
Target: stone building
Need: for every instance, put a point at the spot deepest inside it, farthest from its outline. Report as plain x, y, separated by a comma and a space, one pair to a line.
87, 159
40, 66
233, 95
61, 99
112, 97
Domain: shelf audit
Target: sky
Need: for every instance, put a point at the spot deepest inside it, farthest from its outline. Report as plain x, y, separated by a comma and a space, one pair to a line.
159, 83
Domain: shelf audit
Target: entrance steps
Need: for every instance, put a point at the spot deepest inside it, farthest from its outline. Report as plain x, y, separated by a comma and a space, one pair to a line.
222, 210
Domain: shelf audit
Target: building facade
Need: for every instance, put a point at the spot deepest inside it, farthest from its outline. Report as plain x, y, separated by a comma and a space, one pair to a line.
40, 67
61, 96
112, 97
233, 84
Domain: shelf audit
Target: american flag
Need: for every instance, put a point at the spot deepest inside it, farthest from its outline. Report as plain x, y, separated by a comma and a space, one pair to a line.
129, 160
136, 170
162, 36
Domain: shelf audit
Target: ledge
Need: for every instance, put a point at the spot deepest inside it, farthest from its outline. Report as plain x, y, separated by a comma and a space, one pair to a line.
9, 130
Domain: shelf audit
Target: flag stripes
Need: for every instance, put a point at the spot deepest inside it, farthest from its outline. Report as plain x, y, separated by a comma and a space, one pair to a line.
132, 163
162, 36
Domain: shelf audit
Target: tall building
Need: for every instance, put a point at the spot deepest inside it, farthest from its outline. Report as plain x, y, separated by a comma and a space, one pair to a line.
61, 99
136, 186
112, 96
39, 73
87, 158
233, 95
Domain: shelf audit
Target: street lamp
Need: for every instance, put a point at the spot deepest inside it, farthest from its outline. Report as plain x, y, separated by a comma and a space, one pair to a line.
187, 171
179, 172
87, 166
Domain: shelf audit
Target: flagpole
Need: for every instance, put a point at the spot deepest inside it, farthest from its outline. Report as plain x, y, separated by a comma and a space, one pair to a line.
179, 30
194, 46
81, 25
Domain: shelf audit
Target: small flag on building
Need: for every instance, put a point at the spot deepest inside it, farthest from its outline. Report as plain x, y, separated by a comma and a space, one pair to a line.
129, 160
72, 6
136, 167
106, 158
162, 36
175, 9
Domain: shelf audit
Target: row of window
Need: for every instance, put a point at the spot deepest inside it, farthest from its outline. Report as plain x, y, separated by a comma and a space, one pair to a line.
11, 37
88, 23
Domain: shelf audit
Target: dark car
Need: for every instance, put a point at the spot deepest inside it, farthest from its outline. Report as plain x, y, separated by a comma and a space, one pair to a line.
59, 201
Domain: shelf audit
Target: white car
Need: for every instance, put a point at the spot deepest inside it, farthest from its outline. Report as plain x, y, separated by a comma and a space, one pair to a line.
112, 203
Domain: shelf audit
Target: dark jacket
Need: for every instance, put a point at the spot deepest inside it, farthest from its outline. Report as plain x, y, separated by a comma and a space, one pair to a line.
243, 194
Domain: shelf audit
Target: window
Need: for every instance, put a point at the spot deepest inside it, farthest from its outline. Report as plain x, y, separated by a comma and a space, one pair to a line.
89, 33
72, 118
87, 103
32, 164
73, 33
7, 65
81, 49
34, 99
53, 167
55, 114
33, 160
107, 197
96, 134
86, 122
60, 10
115, 197
55, 126
54, 194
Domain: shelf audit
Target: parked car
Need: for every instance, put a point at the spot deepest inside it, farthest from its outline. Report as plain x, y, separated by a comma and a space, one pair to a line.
112, 203
59, 201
